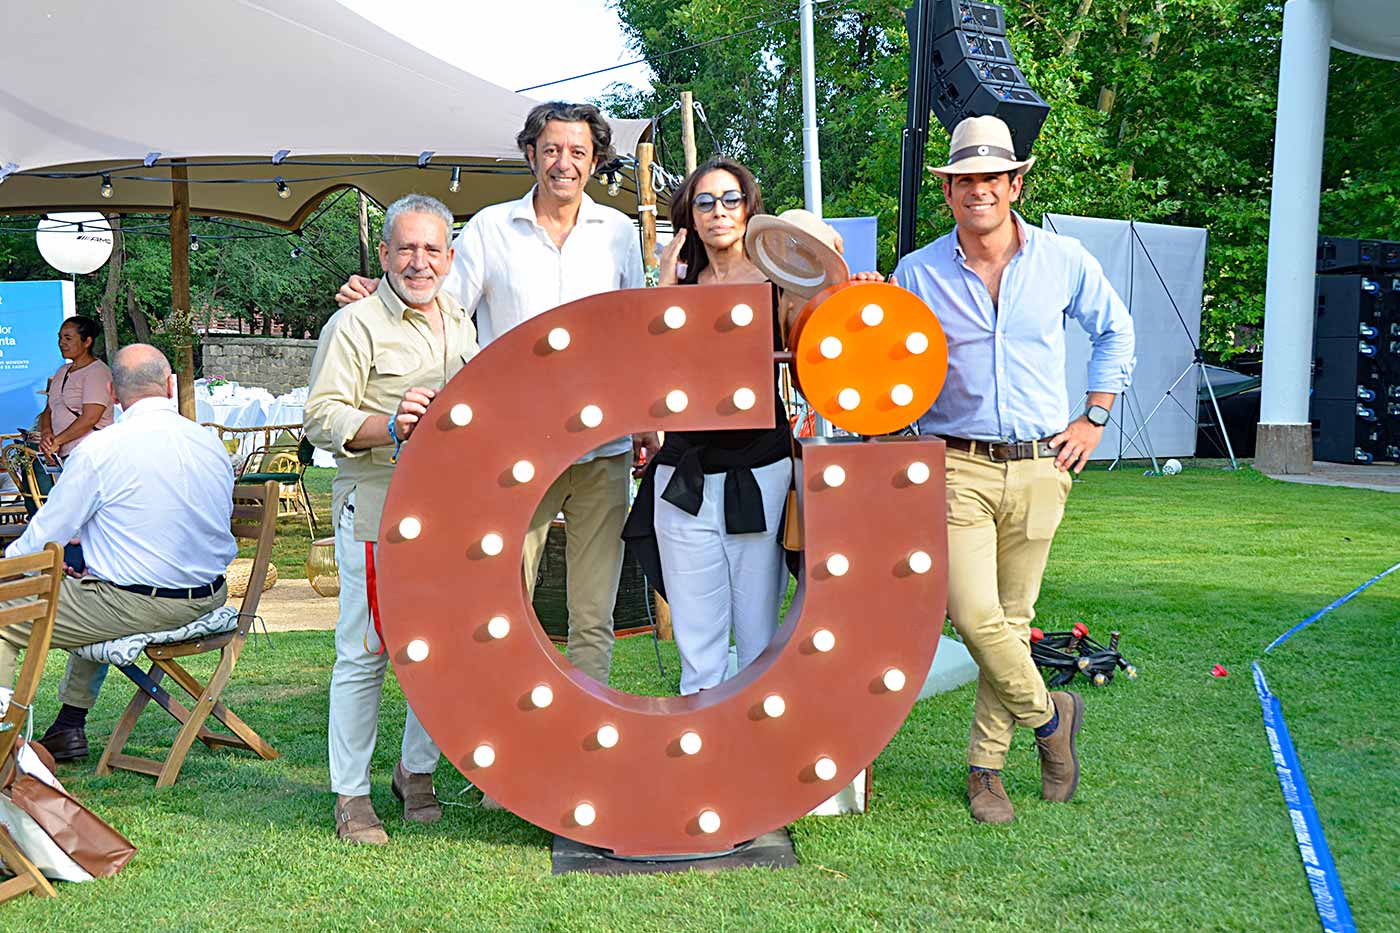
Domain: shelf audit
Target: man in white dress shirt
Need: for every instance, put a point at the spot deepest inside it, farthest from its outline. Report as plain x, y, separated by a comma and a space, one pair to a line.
151, 499
520, 259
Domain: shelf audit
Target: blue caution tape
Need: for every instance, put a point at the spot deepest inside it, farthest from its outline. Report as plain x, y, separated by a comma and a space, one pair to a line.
1326, 885
1328, 608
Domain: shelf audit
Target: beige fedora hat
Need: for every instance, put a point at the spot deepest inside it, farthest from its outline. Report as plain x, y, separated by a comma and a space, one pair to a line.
797, 251
982, 145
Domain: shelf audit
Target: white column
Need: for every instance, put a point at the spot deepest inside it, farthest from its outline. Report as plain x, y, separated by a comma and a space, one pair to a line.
1284, 436
811, 152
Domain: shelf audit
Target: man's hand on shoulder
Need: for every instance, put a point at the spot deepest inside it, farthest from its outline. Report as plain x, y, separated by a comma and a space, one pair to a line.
356, 288
1074, 444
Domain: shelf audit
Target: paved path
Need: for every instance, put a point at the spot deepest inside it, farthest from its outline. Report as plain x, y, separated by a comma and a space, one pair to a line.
293, 606
1384, 477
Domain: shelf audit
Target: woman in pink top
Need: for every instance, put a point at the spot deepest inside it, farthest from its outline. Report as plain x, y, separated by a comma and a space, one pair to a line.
80, 397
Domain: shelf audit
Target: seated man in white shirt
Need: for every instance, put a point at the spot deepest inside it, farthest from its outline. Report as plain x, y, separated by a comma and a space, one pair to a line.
151, 498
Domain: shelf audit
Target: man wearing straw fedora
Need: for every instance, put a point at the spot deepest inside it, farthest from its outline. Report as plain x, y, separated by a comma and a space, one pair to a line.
1003, 290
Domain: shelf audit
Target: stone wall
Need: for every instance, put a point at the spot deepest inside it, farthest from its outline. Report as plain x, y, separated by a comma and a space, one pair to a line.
277, 364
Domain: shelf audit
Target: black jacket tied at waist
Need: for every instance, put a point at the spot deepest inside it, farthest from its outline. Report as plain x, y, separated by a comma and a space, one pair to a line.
692, 459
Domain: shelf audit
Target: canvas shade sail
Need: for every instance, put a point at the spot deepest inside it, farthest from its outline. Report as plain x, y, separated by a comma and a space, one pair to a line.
92, 89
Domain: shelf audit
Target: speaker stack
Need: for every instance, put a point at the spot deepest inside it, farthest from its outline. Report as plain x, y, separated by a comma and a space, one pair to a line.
1355, 409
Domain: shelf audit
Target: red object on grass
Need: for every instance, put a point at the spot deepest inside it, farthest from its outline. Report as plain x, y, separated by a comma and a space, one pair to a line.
1080, 630
1219, 671
1037, 635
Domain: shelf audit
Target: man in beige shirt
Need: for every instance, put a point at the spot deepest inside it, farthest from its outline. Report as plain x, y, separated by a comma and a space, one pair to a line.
378, 366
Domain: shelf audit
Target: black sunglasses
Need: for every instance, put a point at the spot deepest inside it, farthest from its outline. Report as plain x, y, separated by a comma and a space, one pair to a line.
705, 202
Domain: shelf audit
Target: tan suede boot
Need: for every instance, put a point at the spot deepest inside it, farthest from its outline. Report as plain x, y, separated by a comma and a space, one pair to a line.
420, 803
1059, 762
988, 798
356, 822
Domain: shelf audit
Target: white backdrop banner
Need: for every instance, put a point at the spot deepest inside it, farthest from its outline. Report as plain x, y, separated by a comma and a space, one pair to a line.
1158, 271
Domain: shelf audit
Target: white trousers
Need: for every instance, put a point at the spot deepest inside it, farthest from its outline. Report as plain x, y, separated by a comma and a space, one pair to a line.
717, 582
357, 680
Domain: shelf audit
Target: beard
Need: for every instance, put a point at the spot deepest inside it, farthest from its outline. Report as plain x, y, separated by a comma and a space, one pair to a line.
413, 294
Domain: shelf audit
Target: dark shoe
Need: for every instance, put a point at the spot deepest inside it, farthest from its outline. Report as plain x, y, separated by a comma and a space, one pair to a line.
66, 744
1059, 762
988, 798
420, 803
357, 823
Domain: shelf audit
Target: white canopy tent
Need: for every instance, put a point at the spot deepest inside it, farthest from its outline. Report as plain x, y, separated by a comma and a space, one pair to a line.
1310, 29
90, 91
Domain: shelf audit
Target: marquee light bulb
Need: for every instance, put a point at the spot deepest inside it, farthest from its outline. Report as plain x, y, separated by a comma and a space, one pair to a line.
484, 756
872, 315
690, 743
918, 473
741, 315
825, 768
461, 415
920, 562
674, 317
558, 339
823, 640
830, 348
607, 736
893, 680
709, 822
848, 399
676, 401
498, 627
591, 416
774, 706
410, 528
584, 814
902, 395
744, 398
417, 650
837, 565
523, 471
916, 343
834, 476
492, 544
541, 696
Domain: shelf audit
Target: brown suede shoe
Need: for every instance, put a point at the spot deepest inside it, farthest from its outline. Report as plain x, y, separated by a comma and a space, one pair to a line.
1059, 762
356, 822
420, 803
988, 798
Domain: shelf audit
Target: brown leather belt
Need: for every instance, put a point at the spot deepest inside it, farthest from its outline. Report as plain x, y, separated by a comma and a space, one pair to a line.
1002, 452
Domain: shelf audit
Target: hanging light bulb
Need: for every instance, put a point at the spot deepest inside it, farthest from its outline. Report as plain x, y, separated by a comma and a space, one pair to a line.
614, 184
455, 184
296, 252
106, 189
194, 242
283, 191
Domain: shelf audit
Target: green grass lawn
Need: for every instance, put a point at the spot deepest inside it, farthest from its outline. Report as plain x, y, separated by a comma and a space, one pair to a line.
1178, 822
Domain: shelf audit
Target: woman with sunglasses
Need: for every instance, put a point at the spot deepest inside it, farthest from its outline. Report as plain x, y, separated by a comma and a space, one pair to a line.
706, 520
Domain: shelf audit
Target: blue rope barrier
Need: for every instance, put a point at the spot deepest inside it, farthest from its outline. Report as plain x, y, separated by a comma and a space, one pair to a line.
1328, 608
1326, 885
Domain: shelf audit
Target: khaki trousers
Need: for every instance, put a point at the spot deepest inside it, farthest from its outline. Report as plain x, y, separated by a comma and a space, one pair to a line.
1001, 520
92, 610
593, 498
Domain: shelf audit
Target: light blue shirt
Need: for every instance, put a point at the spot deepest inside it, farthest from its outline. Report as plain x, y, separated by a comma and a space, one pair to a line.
1006, 371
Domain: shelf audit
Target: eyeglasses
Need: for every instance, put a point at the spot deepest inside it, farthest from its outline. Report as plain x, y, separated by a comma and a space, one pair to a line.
705, 202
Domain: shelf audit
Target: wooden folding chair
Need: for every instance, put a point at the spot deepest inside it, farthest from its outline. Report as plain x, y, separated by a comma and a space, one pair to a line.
254, 519
32, 582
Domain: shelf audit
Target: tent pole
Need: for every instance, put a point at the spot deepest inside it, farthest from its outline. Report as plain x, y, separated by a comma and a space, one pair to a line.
688, 130
181, 316
364, 234
646, 205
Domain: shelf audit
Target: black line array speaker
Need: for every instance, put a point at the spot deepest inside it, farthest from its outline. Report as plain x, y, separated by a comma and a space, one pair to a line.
974, 72
1355, 408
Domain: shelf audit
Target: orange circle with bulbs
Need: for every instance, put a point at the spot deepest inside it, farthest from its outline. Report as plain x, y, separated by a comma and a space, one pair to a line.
868, 356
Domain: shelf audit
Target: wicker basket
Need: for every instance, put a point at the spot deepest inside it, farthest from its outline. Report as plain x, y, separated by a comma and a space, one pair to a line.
238, 573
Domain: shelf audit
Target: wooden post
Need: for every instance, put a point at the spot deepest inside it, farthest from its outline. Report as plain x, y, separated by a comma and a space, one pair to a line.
688, 130
646, 204
364, 234
181, 317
